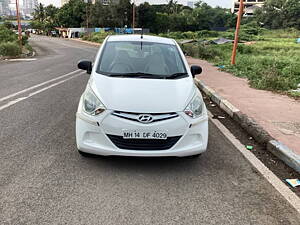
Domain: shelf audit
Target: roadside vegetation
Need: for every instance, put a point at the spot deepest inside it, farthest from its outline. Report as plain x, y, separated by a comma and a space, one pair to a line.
96, 36
9, 44
158, 18
270, 62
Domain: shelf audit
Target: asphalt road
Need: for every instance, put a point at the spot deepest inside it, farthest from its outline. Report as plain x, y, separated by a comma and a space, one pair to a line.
43, 180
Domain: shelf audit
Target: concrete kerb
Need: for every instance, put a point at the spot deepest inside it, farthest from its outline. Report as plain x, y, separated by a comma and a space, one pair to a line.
253, 128
83, 41
284, 153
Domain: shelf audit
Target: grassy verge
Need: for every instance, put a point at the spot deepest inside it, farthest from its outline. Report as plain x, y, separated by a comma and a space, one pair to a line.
272, 62
95, 37
9, 45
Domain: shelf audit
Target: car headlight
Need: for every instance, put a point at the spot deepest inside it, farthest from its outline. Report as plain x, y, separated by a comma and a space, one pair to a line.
195, 107
91, 104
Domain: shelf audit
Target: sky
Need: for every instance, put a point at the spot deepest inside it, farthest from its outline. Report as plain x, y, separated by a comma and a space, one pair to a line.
222, 3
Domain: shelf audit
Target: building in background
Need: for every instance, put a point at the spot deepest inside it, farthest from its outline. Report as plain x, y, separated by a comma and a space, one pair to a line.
250, 6
4, 7
28, 7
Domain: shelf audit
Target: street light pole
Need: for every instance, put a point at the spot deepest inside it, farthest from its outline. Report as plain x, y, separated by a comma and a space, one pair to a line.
236, 37
19, 24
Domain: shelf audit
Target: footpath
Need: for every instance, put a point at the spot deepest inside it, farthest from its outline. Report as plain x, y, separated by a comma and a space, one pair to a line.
276, 115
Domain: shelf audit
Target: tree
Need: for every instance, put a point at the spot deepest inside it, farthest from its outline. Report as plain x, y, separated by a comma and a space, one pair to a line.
44, 18
39, 13
72, 14
279, 14
145, 15
158, 18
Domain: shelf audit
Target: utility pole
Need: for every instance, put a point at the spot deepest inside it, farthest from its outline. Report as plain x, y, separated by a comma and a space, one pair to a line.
19, 24
236, 37
87, 15
133, 15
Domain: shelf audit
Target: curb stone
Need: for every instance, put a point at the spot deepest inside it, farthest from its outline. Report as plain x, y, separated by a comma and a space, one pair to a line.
85, 42
277, 148
284, 153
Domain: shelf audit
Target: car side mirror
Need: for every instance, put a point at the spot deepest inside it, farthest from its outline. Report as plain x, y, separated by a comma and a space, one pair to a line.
85, 65
195, 70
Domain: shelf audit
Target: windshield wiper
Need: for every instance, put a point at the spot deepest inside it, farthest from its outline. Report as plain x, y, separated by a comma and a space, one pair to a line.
176, 75
138, 75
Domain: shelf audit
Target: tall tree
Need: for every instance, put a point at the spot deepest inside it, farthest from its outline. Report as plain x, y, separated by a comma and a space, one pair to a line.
39, 13
279, 14
72, 14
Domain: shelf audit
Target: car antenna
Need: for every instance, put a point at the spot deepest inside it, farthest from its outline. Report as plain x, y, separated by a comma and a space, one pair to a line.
142, 38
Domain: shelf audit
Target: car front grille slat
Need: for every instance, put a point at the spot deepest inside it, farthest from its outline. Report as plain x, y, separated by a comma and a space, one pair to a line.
143, 144
134, 116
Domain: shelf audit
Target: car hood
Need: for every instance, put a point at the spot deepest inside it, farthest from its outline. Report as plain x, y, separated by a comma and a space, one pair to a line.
143, 95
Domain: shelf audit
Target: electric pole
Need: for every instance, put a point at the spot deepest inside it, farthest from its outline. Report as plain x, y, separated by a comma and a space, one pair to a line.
19, 24
87, 15
133, 15
236, 36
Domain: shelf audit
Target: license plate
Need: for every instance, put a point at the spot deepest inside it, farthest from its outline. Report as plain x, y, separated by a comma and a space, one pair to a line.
134, 134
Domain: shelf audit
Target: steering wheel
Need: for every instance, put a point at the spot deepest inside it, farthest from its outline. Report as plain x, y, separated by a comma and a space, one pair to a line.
124, 66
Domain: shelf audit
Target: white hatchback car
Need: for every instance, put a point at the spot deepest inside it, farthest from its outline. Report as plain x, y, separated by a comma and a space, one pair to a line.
141, 100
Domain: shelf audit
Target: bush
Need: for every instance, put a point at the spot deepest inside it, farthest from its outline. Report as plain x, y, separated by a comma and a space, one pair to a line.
7, 35
189, 35
173, 35
245, 49
10, 49
96, 36
207, 33
208, 52
8, 25
24, 40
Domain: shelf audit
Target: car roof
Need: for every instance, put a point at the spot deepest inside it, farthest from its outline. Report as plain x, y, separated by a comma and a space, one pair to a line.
137, 37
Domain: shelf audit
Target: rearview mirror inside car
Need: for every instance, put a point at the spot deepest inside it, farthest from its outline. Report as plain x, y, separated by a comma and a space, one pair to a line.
195, 70
85, 65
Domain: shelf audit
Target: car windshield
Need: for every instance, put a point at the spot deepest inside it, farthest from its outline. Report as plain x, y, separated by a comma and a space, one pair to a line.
141, 59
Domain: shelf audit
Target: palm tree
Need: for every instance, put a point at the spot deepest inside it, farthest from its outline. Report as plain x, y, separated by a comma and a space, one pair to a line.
39, 13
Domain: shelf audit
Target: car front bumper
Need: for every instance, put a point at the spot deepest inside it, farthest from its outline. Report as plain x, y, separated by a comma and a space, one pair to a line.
93, 134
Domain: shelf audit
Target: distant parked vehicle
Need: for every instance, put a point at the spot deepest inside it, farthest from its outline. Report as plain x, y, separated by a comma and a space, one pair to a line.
53, 33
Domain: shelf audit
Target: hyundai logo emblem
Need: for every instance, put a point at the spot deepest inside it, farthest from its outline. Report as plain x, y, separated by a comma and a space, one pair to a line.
145, 118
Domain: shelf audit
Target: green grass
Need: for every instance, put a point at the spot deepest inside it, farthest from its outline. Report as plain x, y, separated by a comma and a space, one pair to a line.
271, 63
95, 37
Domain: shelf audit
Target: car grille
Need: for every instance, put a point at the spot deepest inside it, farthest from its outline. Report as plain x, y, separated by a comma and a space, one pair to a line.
143, 144
156, 116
